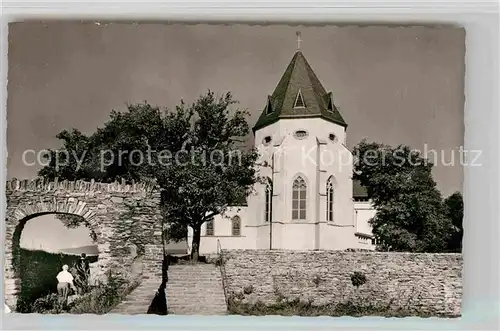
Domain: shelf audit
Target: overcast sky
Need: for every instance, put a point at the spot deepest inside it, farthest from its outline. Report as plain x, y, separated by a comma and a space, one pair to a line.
393, 85
49, 234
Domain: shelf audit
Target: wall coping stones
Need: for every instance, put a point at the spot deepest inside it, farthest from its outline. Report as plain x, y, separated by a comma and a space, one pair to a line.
336, 252
42, 185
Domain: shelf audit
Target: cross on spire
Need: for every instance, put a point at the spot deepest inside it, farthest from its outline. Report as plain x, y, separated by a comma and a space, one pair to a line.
298, 40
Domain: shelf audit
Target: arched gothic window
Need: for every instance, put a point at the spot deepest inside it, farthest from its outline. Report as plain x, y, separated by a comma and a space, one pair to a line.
209, 231
299, 199
236, 226
329, 200
269, 201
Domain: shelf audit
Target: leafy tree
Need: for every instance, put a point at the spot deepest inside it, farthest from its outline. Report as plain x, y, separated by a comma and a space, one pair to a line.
114, 151
455, 211
191, 153
73, 221
71, 160
211, 173
410, 213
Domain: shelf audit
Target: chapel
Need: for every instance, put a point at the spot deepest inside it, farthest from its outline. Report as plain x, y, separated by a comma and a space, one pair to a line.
309, 200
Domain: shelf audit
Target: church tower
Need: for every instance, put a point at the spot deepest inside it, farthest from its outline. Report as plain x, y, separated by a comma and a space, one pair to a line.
308, 196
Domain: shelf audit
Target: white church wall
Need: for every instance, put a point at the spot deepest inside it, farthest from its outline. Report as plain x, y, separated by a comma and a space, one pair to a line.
314, 158
364, 211
341, 173
263, 236
333, 237
297, 236
223, 232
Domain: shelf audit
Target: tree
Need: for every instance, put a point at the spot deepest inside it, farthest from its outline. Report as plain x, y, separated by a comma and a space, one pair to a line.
455, 211
191, 153
114, 151
71, 160
410, 215
210, 173
72, 221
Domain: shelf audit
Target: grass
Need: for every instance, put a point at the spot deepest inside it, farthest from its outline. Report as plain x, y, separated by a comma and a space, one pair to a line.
297, 307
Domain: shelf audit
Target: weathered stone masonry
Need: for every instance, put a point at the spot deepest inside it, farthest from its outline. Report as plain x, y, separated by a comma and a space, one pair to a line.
126, 220
430, 283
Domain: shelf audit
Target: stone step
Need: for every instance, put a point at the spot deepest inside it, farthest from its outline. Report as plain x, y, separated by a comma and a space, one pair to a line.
195, 290
139, 300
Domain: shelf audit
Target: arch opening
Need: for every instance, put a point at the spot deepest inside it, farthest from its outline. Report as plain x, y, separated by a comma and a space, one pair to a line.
41, 244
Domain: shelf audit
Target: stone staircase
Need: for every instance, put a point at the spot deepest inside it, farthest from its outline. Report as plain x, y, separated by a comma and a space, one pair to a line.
195, 289
139, 300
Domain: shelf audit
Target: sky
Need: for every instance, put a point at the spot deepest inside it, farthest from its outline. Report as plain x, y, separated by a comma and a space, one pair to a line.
49, 234
394, 85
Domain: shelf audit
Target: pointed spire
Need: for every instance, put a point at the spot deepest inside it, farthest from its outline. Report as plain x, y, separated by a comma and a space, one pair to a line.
299, 94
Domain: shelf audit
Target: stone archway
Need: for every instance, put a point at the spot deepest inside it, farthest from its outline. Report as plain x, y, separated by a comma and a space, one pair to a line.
120, 215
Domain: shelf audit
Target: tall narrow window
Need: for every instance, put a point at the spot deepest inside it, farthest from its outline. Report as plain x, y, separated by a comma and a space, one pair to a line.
299, 101
299, 199
210, 228
236, 226
329, 199
269, 201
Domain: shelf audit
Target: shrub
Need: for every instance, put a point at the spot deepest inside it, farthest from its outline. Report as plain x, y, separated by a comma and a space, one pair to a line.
358, 279
100, 300
47, 305
103, 298
248, 289
297, 307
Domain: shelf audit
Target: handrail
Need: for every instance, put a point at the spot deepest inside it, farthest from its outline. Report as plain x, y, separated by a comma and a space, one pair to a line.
222, 270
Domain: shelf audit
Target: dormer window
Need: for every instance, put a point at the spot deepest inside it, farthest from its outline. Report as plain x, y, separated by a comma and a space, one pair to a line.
269, 107
299, 101
329, 102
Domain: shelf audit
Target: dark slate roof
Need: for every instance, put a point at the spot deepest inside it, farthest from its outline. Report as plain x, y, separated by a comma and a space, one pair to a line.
358, 191
318, 103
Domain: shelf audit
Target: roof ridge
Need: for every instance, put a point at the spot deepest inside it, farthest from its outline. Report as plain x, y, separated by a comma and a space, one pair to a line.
293, 65
289, 70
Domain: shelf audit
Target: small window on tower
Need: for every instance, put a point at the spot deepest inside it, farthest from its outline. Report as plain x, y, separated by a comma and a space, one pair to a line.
299, 101
301, 134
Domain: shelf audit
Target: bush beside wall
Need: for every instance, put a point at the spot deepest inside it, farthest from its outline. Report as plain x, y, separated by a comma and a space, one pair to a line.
100, 300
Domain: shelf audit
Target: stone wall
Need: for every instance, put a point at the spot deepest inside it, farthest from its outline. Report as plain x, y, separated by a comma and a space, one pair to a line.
124, 218
427, 283
153, 261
